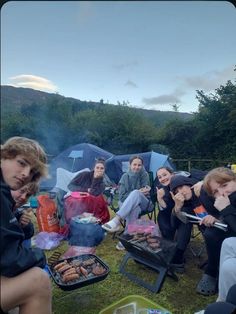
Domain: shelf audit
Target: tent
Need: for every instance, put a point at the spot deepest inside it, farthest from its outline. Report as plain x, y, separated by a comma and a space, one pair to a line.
73, 159
119, 164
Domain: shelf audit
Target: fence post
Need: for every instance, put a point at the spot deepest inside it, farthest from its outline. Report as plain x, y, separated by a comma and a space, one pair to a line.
189, 165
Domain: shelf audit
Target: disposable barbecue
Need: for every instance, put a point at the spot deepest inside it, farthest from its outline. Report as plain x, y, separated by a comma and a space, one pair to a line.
78, 271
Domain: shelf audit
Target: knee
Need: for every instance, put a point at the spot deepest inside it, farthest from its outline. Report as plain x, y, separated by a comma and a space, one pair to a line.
228, 269
134, 193
42, 281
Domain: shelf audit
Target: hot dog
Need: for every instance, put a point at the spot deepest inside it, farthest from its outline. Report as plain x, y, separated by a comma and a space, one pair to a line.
84, 271
58, 266
64, 268
69, 271
70, 277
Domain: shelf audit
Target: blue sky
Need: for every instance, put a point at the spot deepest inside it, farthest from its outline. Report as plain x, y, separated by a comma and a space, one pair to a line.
153, 54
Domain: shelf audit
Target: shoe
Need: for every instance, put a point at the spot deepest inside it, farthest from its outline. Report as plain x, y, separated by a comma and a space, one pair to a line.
111, 227
120, 246
207, 285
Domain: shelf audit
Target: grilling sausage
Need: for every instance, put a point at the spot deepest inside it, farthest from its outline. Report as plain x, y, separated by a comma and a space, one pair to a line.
70, 271
58, 266
64, 268
84, 271
70, 277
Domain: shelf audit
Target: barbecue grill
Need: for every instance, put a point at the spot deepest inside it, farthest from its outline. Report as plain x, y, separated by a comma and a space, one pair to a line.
88, 262
157, 258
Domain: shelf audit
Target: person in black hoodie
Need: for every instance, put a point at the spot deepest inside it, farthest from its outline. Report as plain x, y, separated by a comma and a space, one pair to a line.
24, 284
220, 184
23, 215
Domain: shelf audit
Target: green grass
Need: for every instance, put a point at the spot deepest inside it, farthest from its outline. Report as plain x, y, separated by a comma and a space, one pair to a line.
178, 297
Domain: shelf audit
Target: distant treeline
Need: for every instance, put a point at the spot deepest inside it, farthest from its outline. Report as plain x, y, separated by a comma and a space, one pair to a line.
58, 122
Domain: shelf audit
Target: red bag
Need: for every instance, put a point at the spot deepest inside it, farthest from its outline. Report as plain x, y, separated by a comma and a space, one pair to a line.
79, 202
47, 214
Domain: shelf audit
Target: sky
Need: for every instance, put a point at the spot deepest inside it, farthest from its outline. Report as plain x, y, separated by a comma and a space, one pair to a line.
150, 54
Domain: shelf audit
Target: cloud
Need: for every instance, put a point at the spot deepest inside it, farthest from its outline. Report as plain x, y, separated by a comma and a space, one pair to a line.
131, 84
165, 99
32, 81
125, 65
209, 81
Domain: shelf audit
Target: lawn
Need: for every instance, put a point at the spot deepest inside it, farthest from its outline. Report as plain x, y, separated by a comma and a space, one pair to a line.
178, 297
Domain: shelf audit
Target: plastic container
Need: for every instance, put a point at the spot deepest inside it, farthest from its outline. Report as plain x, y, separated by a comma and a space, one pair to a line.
134, 304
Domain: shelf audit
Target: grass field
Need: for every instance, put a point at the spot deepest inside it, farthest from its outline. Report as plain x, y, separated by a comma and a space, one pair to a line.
178, 297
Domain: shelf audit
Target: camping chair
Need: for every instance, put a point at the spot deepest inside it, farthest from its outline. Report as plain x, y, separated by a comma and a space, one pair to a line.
196, 251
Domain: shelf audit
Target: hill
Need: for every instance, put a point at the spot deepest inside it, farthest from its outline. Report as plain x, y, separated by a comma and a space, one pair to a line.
13, 98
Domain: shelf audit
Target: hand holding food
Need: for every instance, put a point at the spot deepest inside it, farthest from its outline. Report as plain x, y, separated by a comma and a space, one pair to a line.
25, 218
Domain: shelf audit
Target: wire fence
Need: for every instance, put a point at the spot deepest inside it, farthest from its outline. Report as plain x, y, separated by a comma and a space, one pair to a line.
201, 164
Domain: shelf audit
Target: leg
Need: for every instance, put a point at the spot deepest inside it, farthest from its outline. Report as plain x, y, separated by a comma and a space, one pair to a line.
134, 204
129, 210
183, 238
227, 273
31, 291
213, 238
164, 223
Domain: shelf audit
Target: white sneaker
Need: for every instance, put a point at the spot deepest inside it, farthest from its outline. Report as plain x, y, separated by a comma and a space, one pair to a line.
111, 226
120, 246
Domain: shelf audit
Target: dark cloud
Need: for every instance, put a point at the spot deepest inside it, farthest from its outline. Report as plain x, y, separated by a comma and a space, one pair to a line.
165, 99
209, 80
131, 84
125, 65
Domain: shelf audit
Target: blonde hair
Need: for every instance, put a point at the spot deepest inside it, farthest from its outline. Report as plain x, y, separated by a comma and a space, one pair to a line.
31, 150
221, 175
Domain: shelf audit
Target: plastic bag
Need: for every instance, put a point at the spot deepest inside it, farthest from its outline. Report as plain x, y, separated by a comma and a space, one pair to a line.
143, 226
47, 214
48, 240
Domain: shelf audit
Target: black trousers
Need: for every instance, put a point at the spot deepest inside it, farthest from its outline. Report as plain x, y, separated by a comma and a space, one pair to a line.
183, 233
213, 240
164, 223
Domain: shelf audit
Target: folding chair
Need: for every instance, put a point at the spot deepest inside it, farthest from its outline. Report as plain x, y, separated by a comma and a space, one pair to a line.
197, 252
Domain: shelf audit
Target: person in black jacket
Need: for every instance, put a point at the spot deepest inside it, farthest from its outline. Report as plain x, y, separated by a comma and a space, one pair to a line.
23, 282
91, 182
165, 201
220, 184
23, 215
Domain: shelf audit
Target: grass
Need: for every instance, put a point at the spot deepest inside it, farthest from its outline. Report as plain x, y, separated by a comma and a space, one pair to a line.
178, 297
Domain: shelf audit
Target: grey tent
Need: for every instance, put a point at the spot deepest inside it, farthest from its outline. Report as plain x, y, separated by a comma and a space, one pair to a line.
73, 159
119, 164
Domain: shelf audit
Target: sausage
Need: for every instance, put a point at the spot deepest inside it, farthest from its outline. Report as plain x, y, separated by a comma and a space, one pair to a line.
70, 271
70, 277
64, 268
58, 266
89, 262
84, 271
